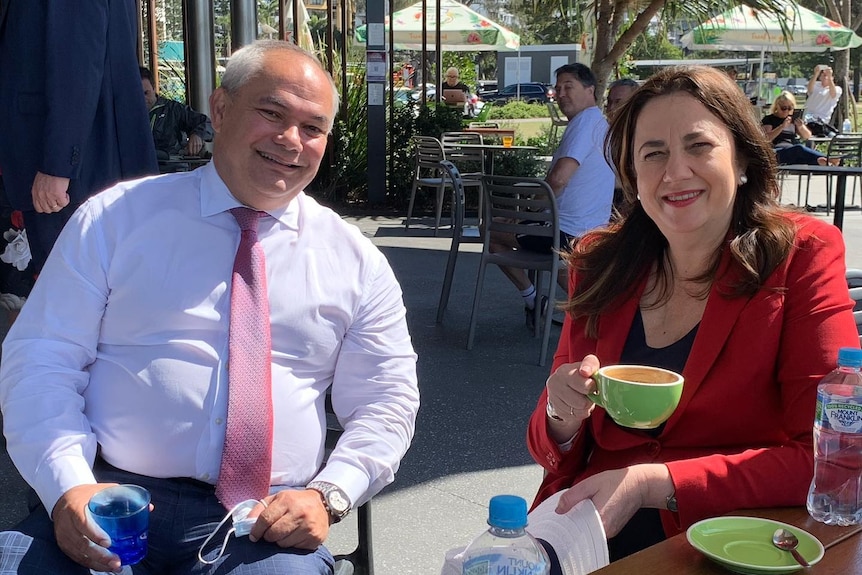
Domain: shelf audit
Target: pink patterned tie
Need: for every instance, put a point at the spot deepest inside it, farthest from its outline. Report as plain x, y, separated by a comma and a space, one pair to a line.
246, 461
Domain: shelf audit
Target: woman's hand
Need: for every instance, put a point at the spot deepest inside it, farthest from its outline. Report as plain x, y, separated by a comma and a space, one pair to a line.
619, 493
567, 388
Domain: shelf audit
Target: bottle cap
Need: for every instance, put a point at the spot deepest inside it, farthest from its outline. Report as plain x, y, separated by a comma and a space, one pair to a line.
850, 357
507, 512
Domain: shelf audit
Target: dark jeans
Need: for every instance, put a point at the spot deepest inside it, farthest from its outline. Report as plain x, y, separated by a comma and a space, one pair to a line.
798, 154
185, 513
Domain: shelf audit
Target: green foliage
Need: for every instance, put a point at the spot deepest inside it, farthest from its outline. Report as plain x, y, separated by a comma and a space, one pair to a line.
518, 110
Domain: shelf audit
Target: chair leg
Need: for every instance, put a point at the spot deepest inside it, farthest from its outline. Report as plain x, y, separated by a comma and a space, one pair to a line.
828, 193
552, 294
807, 189
474, 316
450, 273
410, 205
438, 209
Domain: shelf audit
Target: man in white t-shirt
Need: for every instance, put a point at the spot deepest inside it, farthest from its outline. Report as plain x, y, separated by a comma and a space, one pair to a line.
580, 176
823, 95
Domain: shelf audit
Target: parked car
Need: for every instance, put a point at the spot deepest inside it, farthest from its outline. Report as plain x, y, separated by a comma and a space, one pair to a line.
796, 86
531, 92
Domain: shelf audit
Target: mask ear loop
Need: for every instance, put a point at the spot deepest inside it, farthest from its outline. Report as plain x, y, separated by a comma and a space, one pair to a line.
226, 537
211, 535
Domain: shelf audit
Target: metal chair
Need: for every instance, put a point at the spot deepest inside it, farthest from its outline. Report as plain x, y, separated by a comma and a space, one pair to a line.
451, 172
524, 206
557, 121
360, 561
846, 150
427, 174
469, 161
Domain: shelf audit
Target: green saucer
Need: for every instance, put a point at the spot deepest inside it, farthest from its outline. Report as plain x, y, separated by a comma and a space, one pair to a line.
744, 545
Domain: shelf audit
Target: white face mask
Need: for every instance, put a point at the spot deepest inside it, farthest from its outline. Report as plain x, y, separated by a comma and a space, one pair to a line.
242, 525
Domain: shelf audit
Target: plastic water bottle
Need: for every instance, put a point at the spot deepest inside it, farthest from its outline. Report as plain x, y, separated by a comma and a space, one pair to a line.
506, 548
835, 496
846, 127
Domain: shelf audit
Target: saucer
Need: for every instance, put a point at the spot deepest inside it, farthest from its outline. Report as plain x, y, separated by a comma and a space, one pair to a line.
744, 545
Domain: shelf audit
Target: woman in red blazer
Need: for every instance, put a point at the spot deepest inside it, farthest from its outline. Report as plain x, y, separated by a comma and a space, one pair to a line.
708, 276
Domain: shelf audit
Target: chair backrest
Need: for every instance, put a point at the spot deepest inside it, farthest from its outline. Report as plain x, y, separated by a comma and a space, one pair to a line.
524, 206
483, 114
470, 161
557, 119
847, 148
428, 153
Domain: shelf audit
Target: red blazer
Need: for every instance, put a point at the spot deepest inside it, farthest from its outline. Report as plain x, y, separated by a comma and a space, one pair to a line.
742, 434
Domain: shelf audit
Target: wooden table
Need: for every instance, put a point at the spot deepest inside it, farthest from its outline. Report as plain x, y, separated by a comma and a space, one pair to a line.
840, 188
676, 556
491, 149
501, 132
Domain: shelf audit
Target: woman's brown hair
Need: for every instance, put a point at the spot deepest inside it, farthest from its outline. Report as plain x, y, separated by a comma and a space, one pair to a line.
611, 262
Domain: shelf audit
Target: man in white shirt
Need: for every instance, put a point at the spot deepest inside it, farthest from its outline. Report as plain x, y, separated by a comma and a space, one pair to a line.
116, 370
580, 177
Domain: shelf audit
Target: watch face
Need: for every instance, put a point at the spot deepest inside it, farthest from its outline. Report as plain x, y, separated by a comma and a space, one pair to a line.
337, 502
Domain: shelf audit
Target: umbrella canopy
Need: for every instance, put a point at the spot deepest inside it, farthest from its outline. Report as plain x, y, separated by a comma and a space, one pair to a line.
461, 29
746, 29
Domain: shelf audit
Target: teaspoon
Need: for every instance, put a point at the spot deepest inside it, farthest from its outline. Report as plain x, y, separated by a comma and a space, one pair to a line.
784, 539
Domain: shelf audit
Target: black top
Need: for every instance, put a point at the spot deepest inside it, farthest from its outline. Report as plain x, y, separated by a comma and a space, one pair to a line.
787, 137
644, 528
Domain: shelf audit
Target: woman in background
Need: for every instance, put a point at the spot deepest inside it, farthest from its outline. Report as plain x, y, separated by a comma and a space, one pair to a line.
785, 131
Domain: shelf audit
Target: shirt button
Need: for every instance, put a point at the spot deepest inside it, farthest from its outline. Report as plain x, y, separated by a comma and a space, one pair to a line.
219, 421
205, 477
551, 459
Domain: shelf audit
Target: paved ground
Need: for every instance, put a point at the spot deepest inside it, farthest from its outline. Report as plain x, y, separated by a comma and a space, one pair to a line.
469, 442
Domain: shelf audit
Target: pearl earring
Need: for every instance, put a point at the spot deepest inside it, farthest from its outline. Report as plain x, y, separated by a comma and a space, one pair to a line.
743, 179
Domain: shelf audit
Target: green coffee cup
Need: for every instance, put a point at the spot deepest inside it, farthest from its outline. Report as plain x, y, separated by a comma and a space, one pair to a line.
637, 396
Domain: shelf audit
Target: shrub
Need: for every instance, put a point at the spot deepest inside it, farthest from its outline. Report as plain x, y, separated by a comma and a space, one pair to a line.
517, 110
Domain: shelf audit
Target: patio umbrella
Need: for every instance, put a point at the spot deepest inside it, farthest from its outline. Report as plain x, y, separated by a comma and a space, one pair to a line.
461, 29
744, 29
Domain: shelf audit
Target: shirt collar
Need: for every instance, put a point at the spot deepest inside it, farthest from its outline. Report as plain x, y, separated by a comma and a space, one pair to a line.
217, 198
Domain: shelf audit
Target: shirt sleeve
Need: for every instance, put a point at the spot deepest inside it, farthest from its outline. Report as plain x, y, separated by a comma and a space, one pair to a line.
375, 393
44, 368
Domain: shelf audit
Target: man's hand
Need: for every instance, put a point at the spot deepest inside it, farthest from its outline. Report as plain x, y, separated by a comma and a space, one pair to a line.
292, 518
50, 193
194, 145
76, 536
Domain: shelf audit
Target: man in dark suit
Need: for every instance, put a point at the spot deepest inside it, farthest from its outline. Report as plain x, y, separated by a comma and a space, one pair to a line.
72, 117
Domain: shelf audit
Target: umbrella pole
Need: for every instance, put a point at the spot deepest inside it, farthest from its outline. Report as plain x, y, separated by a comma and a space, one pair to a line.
760, 78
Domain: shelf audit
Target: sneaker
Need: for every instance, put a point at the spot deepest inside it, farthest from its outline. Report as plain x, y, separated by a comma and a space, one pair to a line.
529, 316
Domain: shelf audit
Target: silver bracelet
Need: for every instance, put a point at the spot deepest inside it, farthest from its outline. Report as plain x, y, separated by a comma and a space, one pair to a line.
551, 412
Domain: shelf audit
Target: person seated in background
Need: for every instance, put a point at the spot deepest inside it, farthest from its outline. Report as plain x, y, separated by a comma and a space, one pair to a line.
580, 177
823, 96
452, 81
177, 129
786, 133
618, 92
708, 276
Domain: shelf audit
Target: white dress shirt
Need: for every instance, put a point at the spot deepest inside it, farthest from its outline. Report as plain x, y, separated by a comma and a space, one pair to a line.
124, 341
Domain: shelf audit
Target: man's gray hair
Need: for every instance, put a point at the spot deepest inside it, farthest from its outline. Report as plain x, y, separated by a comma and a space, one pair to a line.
248, 61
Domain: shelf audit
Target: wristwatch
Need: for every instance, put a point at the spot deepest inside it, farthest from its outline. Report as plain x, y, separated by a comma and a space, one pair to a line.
335, 500
670, 503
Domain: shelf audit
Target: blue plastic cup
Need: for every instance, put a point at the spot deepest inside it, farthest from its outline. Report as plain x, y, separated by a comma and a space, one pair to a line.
123, 511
